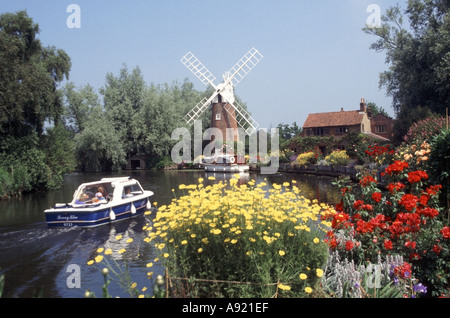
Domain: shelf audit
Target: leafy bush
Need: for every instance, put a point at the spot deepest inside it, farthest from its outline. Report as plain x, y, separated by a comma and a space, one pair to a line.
402, 220
438, 165
338, 157
425, 129
305, 158
344, 279
226, 240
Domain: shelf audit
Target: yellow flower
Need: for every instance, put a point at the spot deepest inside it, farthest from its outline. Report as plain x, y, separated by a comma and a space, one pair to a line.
282, 253
141, 296
200, 250
129, 240
90, 262
98, 258
308, 290
99, 250
118, 237
149, 264
319, 272
108, 251
166, 255
133, 285
303, 276
184, 242
121, 251
316, 240
284, 287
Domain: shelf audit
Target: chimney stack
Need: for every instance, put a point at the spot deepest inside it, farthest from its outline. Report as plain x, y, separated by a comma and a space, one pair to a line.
362, 105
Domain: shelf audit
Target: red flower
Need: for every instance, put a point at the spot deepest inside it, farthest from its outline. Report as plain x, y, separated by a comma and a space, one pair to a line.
333, 243
366, 180
403, 271
446, 232
411, 245
395, 187
437, 249
416, 176
433, 189
396, 167
409, 201
376, 196
424, 199
349, 245
358, 204
363, 227
388, 245
339, 207
428, 212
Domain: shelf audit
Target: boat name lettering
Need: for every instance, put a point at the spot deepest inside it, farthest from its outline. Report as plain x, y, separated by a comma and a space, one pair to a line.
67, 217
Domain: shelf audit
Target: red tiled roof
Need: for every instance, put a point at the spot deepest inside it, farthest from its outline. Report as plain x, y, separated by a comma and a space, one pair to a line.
342, 118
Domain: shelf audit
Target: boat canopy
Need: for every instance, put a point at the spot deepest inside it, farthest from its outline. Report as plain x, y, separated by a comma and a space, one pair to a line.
106, 190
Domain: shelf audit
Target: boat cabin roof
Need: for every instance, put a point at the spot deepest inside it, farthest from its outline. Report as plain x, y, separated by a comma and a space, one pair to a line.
108, 187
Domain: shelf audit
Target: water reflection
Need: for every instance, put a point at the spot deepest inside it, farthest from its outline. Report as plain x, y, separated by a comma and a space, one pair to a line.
35, 259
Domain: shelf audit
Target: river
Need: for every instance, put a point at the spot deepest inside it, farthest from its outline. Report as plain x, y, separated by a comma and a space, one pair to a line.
36, 260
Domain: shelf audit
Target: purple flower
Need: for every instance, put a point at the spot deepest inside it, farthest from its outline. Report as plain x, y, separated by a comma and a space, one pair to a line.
420, 288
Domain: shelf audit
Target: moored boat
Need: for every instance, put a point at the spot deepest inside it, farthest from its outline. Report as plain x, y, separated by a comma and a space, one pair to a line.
101, 202
224, 163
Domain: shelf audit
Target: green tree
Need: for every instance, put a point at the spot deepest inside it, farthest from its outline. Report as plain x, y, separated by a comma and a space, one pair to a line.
418, 56
288, 132
29, 76
80, 105
375, 109
32, 156
98, 147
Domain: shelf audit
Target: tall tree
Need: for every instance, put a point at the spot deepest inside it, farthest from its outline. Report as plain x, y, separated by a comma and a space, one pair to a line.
80, 105
29, 76
418, 56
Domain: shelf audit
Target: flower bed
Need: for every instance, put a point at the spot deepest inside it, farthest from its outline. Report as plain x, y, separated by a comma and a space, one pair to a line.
402, 219
231, 240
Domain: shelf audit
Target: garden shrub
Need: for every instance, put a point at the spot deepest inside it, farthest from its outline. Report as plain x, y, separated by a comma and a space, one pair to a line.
425, 129
305, 159
338, 157
234, 240
401, 219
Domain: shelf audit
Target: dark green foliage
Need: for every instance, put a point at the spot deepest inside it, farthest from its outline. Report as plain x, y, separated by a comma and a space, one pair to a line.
30, 157
418, 58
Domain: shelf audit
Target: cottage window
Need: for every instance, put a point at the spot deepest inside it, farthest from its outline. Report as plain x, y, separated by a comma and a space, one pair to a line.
381, 128
341, 130
217, 116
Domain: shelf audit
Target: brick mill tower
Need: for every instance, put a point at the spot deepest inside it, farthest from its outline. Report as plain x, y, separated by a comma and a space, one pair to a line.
226, 112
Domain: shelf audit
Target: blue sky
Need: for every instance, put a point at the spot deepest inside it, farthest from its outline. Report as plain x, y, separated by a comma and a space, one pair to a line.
316, 57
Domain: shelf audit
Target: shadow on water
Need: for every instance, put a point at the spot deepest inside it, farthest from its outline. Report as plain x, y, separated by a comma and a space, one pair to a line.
35, 259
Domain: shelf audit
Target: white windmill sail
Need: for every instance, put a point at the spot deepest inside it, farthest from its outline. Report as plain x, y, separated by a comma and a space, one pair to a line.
198, 69
225, 89
244, 66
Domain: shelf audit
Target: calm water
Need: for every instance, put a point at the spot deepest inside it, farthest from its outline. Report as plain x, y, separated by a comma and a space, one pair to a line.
35, 259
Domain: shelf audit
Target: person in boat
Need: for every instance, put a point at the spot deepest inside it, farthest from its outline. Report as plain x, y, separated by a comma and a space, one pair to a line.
128, 193
102, 191
82, 199
99, 197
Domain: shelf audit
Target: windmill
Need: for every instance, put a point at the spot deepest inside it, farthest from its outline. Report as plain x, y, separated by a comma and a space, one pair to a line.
226, 112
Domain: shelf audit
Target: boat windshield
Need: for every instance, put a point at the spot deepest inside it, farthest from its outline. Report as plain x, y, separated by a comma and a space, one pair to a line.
95, 193
131, 190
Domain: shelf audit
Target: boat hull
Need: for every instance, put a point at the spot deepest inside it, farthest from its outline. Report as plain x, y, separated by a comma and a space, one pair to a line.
226, 168
95, 215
